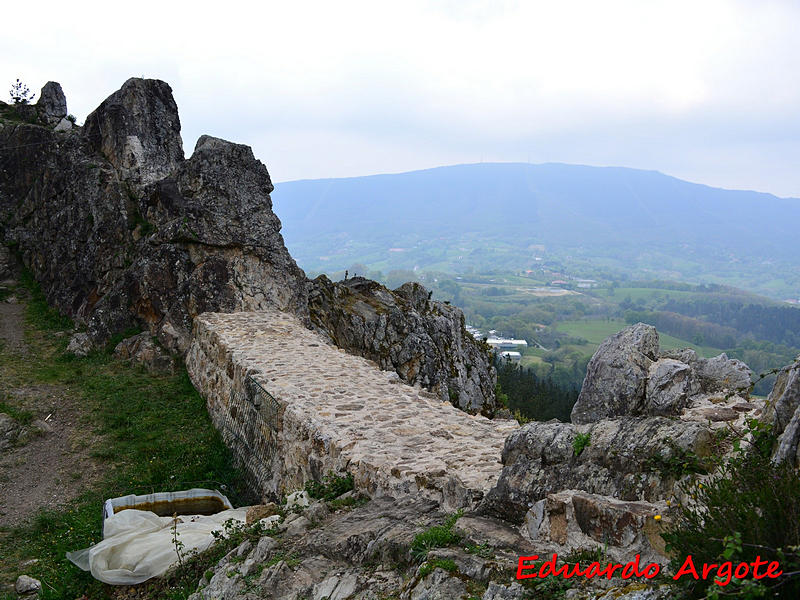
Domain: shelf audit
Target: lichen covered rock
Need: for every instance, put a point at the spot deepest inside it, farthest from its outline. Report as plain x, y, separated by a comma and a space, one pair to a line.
423, 341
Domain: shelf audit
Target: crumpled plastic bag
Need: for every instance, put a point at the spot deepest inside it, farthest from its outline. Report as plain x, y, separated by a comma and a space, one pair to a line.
138, 544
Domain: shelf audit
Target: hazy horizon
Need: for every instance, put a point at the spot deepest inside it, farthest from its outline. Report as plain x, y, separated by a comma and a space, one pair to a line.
706, 92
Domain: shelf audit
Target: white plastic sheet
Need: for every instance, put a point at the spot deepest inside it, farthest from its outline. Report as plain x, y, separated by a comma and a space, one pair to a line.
139, 544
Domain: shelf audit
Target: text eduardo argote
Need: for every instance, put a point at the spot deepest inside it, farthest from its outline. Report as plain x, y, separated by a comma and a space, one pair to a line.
528, 568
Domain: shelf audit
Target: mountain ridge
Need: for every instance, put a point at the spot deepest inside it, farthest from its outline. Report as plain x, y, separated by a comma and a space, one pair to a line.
631, 218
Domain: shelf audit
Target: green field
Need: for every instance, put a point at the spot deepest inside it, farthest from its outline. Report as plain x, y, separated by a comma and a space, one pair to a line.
596, 331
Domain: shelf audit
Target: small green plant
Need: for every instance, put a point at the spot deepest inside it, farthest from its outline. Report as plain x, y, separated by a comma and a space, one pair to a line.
176, 542
581, 441
750, 507
20, 94
438, 536
437, 563
331, 487
71, 119
347, 502
678, 462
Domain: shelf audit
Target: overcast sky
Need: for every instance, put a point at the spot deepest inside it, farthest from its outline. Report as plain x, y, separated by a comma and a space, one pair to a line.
704, 90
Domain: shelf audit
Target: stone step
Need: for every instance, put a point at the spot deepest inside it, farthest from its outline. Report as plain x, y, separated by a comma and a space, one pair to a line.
333, 411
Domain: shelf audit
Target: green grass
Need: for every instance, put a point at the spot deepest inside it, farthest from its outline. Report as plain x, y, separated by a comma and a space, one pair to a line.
596, 331
438, 536
150, 433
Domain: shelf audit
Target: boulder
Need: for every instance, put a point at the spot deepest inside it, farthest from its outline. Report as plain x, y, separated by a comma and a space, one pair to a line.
439, 585
669, 386
723, 374
783, 411
142, 350
622, 460
52, 104
574, 520
616, 376
80, 344
27, 585
63, 125
138, 130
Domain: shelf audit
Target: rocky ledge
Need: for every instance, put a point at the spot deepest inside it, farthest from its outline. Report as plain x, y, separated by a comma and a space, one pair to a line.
123, 233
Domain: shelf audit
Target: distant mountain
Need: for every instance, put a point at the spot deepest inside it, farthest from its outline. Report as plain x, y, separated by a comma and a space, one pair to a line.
500, 215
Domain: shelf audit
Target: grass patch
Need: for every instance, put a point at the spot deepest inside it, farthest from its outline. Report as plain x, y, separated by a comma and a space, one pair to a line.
38, 313
581, 441
23, 417
348, 502
438, 536
437, 563
150, 432
331, 487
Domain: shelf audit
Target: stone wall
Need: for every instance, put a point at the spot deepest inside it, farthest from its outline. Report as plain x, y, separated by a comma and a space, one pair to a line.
336, 412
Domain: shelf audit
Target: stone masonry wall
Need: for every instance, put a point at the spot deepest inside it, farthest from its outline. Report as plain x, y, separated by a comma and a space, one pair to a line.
336, 412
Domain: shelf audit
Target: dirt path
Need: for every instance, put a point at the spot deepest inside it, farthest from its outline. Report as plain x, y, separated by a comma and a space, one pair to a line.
11, 331
50, 464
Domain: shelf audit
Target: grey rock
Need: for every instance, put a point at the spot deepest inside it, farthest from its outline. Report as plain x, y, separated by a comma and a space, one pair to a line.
317, 512
669, 385
724, 374
783, 412
539, 460
439, 585
9, 431
259, 555
142, 350
27, 585
425, 342
784, 399
297, 527
80, 344
575, 520
5, 262
495, 591
155, 240
337, 587
52, 104
138, 130
616, 376
63, 125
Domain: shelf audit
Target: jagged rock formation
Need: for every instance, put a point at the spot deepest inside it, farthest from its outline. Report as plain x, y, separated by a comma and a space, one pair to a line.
627, 376
621, 460
138, 131
403, 330
646, 422
124, 233
783, 412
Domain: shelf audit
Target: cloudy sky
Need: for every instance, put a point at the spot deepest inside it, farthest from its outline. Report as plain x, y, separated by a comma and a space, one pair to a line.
705, 90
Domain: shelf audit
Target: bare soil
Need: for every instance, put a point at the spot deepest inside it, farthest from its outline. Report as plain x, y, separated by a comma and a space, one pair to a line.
51, 463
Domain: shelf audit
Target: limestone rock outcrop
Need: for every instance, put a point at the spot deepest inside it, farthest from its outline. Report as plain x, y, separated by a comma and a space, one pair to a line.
616, 376
628, 376
423, 341
122, 232
138, 131
52, 104
783, 412
624, 459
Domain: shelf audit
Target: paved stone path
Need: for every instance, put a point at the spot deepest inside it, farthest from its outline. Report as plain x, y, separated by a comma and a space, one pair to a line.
341, 412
